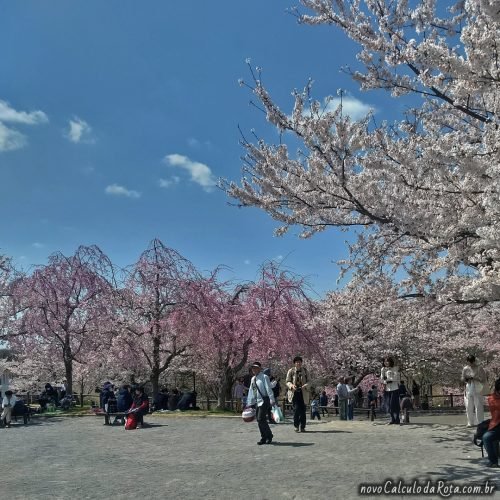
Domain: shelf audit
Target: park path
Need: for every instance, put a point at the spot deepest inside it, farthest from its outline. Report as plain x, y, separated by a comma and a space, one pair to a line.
217, 458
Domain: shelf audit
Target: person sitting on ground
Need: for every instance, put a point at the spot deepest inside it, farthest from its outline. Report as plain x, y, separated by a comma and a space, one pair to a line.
492, 435
160, 401
315, 408
66, 402
140, 405
173, 400
8, 403
51, 395
187, 401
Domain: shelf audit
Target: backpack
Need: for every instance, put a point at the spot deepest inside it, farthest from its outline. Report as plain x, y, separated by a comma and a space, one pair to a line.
481, 430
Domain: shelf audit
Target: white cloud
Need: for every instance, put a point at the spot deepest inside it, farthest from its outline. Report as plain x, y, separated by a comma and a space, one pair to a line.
199, 172
166, 183
351, 106
38, 245
196, 144
87, 170
116, 190
79, 131
279, 257
246, 262
10, 115
11, 139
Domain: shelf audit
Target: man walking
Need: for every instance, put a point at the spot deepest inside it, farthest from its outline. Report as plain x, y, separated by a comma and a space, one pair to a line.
297, 381
261, 395
8, 403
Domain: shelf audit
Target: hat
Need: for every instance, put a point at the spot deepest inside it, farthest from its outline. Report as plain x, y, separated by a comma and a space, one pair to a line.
256, 364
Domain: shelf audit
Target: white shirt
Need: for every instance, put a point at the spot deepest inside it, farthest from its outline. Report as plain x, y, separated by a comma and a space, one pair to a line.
264, 384
392, 378
6, 401
475, 375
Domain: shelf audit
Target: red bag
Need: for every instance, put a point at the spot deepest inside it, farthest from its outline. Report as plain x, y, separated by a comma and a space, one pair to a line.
131, 422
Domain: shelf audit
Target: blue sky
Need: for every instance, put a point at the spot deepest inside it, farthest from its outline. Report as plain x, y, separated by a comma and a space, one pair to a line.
117, 117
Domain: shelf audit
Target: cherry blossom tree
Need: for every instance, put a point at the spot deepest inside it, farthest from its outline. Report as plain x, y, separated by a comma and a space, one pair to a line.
61, 309
267, 320
422, 193
149, 323
363, 323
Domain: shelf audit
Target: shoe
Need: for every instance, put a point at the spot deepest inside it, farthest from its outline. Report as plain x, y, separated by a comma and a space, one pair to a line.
296, 429
262, 441
270, 440
303, 429
492, 465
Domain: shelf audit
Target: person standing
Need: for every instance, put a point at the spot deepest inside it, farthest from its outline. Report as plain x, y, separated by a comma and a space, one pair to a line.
492, 435
260, 395
415, 392
323, 402
390, 378
342, 394
350, 399
8, 403
375, 395
473, 377
315, 408
297, 381
238, 393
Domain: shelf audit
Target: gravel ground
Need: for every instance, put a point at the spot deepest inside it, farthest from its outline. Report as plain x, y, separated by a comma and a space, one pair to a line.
217, 458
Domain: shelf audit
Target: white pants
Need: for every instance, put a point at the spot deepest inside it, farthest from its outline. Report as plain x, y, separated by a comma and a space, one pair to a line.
7, 414
474, 404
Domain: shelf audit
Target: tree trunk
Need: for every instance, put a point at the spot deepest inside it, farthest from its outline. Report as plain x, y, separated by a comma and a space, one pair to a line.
68, 366
225, 388
155, 382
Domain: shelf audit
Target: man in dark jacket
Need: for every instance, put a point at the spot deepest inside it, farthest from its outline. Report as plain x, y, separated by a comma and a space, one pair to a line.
173, 400
124, 401
106, 394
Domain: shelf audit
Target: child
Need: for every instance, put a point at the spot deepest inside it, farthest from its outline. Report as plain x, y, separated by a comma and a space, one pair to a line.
372, 404
315, 408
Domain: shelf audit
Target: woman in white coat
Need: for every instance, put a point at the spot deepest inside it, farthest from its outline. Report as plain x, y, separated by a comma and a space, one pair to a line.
473, 377
390, 377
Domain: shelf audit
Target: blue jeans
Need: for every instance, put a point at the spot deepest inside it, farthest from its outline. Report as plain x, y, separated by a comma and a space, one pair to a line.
489, 443
394, 406
350, 410
343, 409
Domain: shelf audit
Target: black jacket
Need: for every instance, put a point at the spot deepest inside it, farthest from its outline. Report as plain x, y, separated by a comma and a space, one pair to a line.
124, 400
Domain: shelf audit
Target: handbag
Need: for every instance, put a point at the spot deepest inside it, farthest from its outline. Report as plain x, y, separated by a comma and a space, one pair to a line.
277, 414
